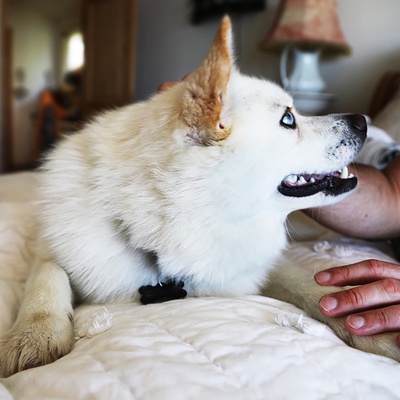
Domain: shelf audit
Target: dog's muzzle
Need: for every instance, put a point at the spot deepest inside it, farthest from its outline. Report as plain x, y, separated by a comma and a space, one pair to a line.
333, 183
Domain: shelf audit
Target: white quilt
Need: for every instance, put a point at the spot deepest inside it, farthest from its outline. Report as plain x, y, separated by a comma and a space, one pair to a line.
208, 348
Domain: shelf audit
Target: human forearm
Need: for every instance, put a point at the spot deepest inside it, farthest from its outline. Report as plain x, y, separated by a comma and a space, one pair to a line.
372, 211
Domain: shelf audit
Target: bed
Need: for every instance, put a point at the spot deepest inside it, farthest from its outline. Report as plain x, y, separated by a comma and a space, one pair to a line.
250, 347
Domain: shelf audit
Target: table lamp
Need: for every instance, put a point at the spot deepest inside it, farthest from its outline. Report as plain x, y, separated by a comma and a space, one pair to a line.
307, 29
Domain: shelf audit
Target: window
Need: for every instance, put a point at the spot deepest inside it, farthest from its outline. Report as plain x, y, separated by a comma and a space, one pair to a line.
75, 51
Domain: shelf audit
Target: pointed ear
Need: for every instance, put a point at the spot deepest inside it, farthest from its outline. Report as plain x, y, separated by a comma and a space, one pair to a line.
205, 99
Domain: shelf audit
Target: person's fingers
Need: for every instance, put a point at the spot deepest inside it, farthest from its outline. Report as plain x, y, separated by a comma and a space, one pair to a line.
380, 293
374, 321
358, 273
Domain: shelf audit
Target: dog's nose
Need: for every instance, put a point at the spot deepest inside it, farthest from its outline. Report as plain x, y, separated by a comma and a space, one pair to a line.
359, 122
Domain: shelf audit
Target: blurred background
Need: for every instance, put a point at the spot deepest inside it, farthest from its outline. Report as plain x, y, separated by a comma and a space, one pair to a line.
63, 60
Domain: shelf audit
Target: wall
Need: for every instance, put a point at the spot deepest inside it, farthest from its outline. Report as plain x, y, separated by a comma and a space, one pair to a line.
33, 44
169, 47
372, 28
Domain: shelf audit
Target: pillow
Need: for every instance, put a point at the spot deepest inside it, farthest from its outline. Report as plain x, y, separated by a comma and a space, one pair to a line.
18, 186
17, 234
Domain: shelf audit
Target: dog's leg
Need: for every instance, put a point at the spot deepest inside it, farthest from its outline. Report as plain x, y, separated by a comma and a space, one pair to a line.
43, 331
295, 284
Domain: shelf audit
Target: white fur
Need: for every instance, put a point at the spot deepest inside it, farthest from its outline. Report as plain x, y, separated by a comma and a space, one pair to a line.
135, 183
206, 211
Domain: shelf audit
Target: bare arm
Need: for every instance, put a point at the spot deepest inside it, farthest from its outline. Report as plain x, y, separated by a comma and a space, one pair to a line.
372, 211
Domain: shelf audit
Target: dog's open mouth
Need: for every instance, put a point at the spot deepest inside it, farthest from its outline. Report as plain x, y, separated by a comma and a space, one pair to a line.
332, 184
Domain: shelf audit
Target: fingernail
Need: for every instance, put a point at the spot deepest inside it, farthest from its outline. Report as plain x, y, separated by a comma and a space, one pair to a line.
356, 322
328, 303
323, 277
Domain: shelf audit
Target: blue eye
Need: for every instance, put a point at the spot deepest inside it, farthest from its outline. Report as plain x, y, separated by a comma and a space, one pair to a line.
288, 120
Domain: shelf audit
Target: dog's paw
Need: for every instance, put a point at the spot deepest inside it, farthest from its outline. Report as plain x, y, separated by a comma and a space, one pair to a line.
38, 340
383, 344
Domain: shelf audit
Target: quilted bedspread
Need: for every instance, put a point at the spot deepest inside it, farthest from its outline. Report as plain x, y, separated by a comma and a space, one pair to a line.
249, 347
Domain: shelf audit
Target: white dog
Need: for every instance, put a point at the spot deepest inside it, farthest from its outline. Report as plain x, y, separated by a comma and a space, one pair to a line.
190, 188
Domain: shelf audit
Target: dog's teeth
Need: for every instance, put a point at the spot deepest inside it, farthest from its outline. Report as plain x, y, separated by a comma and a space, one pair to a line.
312, 180
302, 180
345, 173
351, 176
291, 179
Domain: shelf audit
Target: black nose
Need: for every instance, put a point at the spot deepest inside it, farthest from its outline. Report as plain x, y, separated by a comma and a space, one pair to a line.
358, 122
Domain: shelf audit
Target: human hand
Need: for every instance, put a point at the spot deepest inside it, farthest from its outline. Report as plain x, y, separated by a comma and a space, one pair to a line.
370, 308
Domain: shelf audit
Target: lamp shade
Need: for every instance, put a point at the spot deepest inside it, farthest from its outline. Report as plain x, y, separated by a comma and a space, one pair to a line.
310, 24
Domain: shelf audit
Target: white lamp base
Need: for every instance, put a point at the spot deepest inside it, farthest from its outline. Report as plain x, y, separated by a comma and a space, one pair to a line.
312, 103
305, 75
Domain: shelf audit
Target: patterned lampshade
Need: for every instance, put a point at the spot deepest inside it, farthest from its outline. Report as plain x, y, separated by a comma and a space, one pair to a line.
310, 24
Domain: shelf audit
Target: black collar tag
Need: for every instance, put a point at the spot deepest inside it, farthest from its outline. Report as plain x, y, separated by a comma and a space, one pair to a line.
163, 291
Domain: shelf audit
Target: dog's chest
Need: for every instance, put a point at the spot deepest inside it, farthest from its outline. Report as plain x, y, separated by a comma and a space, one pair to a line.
222, 258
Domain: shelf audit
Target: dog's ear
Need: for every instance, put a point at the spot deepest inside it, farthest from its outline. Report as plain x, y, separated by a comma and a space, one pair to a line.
205, 100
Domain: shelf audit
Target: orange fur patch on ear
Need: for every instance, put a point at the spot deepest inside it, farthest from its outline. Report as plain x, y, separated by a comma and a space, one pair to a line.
207, 89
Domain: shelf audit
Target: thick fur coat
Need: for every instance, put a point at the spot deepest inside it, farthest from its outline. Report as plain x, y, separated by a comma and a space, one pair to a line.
192, 185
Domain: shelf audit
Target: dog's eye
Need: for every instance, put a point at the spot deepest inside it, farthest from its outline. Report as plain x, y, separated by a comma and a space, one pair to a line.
288, 120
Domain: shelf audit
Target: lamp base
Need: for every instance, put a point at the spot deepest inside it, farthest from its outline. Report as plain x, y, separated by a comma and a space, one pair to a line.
312, 103
305, 75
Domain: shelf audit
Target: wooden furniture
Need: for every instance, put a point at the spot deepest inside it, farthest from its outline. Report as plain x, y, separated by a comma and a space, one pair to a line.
6, 131
387, 87
109, 37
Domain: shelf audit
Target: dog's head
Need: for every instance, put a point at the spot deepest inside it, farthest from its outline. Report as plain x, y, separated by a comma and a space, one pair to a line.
260, 137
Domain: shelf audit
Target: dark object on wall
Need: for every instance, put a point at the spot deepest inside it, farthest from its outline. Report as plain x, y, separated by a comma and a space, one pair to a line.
20, 91
205, 9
